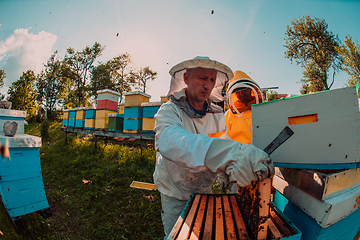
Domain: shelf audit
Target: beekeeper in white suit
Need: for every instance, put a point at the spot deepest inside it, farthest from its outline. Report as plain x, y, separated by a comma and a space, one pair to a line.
188, 159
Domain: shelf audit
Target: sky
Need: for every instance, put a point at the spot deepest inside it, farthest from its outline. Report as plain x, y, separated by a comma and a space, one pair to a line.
245, 35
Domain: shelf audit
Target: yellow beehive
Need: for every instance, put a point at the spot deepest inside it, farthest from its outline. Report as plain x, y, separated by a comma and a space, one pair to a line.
66, 115
89, 123
80, 113
163, 99
135, 98
101, 123
148, 124
121, 108
103, 113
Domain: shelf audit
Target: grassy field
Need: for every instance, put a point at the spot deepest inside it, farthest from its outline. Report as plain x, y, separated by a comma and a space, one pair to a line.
107, 208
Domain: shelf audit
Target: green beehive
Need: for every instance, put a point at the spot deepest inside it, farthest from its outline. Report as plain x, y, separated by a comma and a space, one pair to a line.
116, 122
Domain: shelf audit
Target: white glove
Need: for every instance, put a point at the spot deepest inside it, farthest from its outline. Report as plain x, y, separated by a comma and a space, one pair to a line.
243, 162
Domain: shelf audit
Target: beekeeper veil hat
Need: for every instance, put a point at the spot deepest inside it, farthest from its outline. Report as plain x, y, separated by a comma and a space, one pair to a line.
224, 73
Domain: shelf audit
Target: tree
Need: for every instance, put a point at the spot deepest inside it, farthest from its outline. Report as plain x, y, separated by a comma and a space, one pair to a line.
81, 63
313, 47
50, 85
141, 76
120, 73
23, 95
2, 77
101, 79
350, 54
272, 95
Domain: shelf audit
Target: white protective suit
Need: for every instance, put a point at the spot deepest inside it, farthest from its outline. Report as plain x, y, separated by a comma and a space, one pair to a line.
187, 158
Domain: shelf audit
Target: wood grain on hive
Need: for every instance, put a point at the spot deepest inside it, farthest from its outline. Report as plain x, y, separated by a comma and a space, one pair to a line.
218, 216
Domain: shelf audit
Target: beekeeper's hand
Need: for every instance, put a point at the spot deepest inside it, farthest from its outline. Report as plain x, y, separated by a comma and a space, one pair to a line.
223, 179
243, 162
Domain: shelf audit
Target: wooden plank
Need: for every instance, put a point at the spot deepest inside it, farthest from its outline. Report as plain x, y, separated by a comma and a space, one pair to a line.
208, 233
274, 231
283, 228
240, 225
229, 221
219, 219
148, 136
187, 226
265, 191
196, 232
199, 218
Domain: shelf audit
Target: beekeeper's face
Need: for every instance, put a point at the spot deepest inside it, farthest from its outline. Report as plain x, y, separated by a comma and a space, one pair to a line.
200, 82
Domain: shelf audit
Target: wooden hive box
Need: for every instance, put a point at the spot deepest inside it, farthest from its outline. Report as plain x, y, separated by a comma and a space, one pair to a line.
80, 113
65, 121
327, 121
89, 124
107, 94
163, 99
116, 122
325, 212
121, 108
107, 104
72, 117
133, 99
12, 116
21, 184
90, 113
218, 216
346, 228
149, 111
320, 184
102, 119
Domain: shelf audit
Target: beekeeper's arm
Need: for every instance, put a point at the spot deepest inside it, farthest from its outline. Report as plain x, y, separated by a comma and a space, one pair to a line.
245, 163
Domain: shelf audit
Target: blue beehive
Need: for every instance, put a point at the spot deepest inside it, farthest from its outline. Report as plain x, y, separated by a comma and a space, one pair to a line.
21, 184
72, 118
133, 117
90, 113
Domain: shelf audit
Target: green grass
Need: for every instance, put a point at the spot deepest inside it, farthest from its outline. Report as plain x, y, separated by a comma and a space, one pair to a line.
107, 208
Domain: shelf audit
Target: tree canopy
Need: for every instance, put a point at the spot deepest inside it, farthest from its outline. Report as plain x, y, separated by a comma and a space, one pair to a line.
23, 95
350, 54
81, 64
311, 45
141, 77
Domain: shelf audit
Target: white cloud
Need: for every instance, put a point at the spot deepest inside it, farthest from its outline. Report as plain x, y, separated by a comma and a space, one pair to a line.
24, 51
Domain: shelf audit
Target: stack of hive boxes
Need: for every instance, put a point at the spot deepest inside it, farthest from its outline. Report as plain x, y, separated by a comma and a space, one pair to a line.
80, 117
107, 103
149, 111
317, 176
65, 121
72, 118
21, 184
133, 112
90, 114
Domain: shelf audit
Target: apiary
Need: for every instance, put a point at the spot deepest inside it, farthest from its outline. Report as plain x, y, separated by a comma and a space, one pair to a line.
149, 111
134, 99
21, 184
327, 121
219, 216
